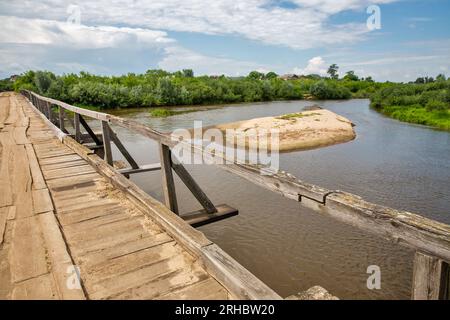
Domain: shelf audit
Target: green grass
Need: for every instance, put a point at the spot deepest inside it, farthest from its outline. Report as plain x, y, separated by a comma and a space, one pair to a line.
296, 115
164, 112
438, 119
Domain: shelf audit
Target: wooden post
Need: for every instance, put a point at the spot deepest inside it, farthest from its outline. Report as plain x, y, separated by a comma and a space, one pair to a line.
170, 196
430, 278
61, 118
89, 130
107, 142
122, 149
76, 124
50, 112
194, 187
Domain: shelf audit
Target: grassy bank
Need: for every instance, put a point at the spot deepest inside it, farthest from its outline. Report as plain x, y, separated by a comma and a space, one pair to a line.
427, 104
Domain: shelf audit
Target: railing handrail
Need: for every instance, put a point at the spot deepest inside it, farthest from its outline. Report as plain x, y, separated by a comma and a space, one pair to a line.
413, 230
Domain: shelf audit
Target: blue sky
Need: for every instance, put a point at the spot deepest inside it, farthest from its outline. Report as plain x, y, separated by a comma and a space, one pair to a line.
226, 37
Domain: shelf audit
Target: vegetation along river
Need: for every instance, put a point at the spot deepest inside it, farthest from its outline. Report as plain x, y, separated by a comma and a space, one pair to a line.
290, 247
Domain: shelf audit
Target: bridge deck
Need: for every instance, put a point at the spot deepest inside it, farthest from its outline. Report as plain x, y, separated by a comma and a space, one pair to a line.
56, 211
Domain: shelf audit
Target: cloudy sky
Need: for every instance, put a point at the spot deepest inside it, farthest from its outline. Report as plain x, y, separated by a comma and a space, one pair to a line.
226, 36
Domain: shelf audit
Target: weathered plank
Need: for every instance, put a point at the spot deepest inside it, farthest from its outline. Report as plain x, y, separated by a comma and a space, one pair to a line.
59, 257
20, 135
6, 158
28, 253
42, 201
430, 278
208, 289
36, 174
168, 183
3, 217
40, 288
203, 217
106, 131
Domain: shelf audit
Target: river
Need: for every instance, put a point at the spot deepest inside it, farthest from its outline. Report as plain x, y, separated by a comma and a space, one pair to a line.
292, 248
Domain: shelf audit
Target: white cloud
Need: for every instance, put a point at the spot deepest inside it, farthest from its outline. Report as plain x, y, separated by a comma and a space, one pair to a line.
49, 32
315, 65
304, 27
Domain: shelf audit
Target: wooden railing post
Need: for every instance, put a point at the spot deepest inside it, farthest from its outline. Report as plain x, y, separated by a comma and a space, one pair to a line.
430, 278
168, 183
61, 118
107, 142
76, 125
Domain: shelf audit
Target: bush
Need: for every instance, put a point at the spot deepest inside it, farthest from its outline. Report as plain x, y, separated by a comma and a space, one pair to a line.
329, 90
436, 105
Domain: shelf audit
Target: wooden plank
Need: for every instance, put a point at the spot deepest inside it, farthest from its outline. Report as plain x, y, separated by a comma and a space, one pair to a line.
61, 114
115, 286
20, 135
202, 217
36, 174
11, 213
125, 248
39, 288
194, 187
107, 143
143, 168
68, 172
28, 252
60, 165
21, 182
59, 257
76, 124
3, 217
430, 278
208, 289
64, 158
168, 183
42, 202
6, 158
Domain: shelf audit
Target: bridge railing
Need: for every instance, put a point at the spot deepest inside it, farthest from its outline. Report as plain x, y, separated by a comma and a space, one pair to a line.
430, 239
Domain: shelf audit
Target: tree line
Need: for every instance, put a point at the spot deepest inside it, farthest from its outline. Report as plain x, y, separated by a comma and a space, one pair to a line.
162, 88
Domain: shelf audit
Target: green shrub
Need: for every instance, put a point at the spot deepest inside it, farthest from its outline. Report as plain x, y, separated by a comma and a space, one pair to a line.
436, 105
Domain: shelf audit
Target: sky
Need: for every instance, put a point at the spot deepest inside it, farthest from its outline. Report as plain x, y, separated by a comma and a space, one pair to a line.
395, 40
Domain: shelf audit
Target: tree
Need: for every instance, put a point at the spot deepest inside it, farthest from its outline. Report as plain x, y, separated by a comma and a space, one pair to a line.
43, 80
350, 75
188, 73
255, 75
333, 71
440, 77
271, 75
369, 79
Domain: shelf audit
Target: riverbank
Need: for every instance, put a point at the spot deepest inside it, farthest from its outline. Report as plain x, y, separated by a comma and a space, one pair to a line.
427, 104
418, 115
296, 131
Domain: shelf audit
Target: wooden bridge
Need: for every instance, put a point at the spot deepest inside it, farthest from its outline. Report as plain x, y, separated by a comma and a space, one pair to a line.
64, 206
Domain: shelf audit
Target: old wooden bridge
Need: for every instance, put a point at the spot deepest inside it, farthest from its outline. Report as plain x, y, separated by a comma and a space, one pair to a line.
67, 213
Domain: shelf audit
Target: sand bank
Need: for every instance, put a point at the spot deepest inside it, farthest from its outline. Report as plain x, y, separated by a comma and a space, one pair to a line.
297, 131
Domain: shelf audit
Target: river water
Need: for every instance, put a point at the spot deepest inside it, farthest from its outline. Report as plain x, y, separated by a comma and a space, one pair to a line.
292, 248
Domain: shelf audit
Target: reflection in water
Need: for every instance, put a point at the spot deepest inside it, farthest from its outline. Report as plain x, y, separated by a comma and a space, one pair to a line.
292, 248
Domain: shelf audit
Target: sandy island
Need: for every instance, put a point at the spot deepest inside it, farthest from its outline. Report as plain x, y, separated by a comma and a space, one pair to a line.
297, 131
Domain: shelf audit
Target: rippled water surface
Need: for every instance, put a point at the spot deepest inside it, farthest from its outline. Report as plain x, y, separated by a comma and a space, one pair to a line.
292, 248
